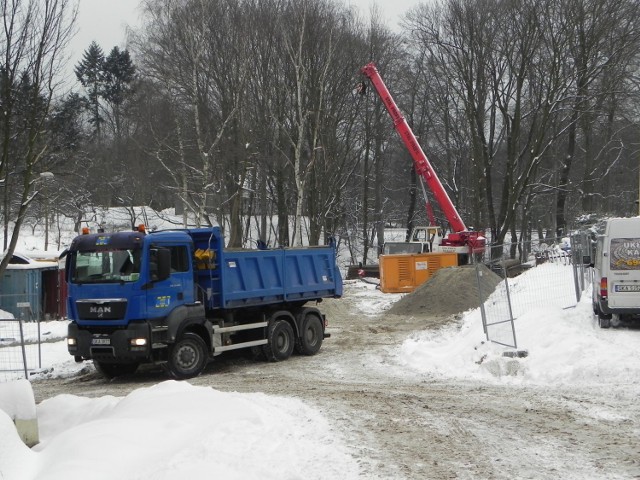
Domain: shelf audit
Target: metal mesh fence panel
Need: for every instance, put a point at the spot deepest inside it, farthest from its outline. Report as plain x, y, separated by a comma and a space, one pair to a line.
556, 275
497, 317
20, 348
582, 252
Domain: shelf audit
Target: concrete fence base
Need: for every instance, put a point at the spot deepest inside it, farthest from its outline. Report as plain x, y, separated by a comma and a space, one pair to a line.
18, 401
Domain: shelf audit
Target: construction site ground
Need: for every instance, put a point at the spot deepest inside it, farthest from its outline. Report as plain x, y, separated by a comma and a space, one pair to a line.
399, 425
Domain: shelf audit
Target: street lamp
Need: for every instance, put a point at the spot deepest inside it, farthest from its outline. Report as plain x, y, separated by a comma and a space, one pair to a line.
46, 177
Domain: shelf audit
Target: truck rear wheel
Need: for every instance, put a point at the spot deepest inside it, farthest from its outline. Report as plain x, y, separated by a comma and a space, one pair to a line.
187, 357
311, 335
113, 370
280, 341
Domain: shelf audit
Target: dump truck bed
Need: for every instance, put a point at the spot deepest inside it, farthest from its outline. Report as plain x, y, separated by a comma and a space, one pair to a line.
232, 278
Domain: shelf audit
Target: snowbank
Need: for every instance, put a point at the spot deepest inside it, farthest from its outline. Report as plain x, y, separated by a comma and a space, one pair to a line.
174, 430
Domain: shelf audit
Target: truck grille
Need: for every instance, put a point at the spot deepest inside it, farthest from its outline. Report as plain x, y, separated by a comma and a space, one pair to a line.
107, 309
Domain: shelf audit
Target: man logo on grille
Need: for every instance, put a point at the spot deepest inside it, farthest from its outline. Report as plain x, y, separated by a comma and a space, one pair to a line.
100, 311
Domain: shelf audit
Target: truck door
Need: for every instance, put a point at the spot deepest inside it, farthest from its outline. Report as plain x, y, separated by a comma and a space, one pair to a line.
164, 295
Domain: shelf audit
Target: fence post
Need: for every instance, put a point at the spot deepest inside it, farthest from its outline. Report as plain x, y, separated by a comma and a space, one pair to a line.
482, 310
506, 286
24, 351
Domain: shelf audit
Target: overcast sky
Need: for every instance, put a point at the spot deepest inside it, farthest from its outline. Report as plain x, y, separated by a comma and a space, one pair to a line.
105, 21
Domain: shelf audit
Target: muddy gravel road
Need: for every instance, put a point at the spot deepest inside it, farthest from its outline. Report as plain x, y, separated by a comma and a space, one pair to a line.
400, 425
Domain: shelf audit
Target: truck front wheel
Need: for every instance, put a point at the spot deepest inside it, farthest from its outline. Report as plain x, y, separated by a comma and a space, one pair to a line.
281, 341
187, 357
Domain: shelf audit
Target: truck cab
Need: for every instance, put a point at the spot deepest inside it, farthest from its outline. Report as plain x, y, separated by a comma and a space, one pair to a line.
122, 288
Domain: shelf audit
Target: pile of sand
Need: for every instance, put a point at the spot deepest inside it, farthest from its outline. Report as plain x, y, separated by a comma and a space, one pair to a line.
451, 290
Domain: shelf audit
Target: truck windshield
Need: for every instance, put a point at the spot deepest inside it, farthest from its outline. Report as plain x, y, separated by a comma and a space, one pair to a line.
108, 266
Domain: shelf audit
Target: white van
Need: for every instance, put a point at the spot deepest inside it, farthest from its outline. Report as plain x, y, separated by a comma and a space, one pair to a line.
616, 267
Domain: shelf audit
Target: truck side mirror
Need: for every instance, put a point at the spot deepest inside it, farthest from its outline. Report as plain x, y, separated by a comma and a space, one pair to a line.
164, 263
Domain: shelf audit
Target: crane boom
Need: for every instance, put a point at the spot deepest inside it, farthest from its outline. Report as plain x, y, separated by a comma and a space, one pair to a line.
461, 236
422, 165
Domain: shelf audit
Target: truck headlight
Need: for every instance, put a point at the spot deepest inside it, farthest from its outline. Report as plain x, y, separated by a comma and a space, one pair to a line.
71, 342
138, 342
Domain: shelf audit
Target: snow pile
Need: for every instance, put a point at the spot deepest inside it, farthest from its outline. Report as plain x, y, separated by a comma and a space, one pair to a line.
174, 430
565, 346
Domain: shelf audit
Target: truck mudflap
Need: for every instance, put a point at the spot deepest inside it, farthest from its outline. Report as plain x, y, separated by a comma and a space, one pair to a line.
132, 344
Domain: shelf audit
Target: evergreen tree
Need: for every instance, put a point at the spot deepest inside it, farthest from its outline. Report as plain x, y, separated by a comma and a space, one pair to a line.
90, 72
119, 73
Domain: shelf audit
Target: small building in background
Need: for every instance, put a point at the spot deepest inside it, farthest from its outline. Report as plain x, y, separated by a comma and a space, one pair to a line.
33, 287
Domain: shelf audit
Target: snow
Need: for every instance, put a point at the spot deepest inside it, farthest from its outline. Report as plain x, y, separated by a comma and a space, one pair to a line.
177, 430
15, 400
241, 436
565, 345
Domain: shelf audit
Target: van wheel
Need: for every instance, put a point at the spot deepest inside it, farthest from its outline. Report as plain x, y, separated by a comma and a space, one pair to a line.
604, 321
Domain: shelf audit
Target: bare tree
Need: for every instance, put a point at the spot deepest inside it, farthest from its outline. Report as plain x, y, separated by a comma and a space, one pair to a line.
505, 63
603, 38
33, 36
311, 42
177, 49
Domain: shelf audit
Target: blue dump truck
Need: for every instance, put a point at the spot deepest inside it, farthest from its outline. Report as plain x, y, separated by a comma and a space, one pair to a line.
178, 298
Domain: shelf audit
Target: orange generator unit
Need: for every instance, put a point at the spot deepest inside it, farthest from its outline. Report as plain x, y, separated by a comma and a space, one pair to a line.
404, 273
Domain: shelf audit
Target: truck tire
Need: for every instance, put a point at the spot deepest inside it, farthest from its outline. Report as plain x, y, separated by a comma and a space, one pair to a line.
113, 370
311, 335
187, 357
280, 341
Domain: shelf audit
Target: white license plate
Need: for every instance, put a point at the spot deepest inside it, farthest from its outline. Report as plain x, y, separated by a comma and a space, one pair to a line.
627, 288
100, 341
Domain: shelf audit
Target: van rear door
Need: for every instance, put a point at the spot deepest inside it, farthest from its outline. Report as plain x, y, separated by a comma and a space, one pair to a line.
624, 268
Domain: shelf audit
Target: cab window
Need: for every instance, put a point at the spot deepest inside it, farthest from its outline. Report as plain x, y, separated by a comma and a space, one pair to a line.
179, 259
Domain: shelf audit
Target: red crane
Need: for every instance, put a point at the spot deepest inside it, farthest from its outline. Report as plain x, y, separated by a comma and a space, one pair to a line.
461, 239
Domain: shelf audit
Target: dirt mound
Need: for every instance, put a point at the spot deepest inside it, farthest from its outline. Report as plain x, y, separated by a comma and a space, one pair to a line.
451, 290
